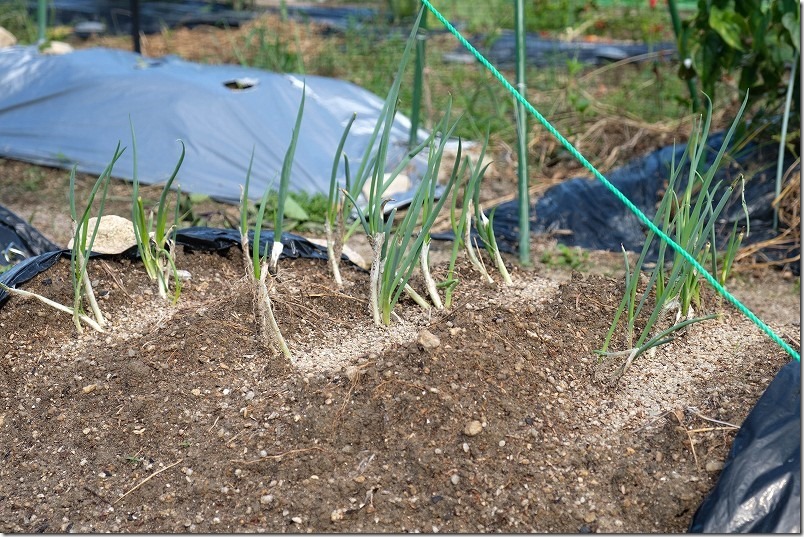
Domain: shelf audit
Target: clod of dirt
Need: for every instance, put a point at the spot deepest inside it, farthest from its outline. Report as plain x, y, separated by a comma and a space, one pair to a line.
473, 428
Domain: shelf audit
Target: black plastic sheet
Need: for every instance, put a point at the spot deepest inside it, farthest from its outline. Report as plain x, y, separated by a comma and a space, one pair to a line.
596, 219
115, 15
759, 489
18, 239
553, 52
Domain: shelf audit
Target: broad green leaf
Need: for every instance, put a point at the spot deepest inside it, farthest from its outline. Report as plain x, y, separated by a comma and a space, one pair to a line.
729, 26
791, 22
294, 211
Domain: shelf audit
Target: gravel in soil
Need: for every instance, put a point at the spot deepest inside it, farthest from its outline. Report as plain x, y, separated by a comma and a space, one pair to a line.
487, 417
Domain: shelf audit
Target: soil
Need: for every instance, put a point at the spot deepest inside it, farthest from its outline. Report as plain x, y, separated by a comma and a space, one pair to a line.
494, 415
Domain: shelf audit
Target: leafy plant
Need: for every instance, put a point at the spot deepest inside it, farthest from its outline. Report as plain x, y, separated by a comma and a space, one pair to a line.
15, 18
154, 236
690, 221
564, 256
272, 54
756, 38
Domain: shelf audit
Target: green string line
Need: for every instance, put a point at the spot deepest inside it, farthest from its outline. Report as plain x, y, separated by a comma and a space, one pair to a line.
633, 208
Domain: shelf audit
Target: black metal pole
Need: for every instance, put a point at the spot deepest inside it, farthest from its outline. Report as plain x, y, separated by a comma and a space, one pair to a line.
135, 24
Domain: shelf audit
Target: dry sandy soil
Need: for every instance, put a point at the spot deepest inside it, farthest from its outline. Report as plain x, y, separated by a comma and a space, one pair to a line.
492, 416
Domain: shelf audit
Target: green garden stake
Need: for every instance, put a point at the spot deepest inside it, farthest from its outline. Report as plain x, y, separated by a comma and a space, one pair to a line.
522, 143
42, 20
418, 82
681, 44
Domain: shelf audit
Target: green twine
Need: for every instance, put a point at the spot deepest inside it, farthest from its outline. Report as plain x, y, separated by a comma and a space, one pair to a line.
633, 208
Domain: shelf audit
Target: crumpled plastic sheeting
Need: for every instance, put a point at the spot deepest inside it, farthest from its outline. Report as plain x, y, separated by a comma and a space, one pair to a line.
74, 108
154, 16
759, 489
597, 220
194, 238
553, 52
19, 240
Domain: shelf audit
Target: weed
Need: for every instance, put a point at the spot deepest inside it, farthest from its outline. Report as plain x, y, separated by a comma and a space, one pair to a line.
32, 179
564, 256
15, 17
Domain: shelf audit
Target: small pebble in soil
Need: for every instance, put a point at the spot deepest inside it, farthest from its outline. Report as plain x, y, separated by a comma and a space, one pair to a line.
455, 479
714, 466
428, 340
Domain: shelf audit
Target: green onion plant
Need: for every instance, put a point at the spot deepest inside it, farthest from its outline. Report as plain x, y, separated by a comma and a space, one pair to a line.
284, 184
372, 162
483, 224
82, 246
457, 223
397, 250
334, 220
82, 243
155, 239
690, 220
256, 268
430, 204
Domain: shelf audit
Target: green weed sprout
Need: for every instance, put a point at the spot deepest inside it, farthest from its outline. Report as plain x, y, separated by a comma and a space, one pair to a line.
284, 183
79, 255
334, 220
153, 236
692, 225
256, 269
